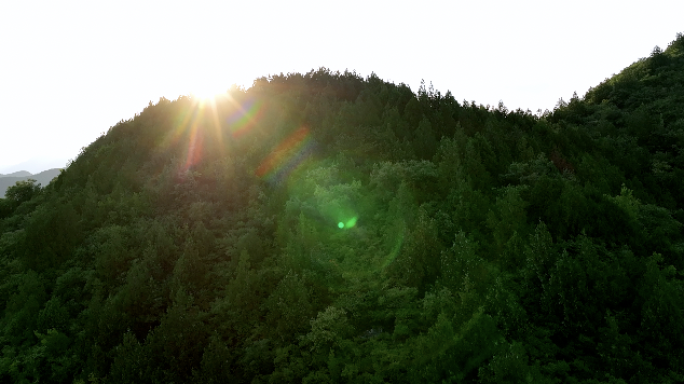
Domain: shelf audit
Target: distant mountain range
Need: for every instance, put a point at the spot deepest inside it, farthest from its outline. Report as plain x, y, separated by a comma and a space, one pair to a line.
17, 174
33, 165
43, 178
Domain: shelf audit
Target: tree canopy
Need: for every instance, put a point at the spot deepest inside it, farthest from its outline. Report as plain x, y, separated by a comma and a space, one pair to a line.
329, 228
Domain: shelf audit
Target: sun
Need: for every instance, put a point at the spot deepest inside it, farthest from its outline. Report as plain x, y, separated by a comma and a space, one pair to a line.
208, 91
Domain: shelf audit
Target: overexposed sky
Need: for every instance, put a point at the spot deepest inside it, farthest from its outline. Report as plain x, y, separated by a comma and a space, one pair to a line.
71, 69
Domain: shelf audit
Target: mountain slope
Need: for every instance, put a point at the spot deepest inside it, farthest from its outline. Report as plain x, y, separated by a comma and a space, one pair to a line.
322, 227
636, 116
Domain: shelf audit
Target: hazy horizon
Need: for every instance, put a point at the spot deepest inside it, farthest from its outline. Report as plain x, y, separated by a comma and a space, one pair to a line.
34, 166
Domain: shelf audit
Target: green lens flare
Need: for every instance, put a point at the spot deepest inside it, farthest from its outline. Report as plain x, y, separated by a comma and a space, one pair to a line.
347, 224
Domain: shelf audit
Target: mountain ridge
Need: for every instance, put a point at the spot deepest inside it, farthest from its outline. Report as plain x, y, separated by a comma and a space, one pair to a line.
17, 174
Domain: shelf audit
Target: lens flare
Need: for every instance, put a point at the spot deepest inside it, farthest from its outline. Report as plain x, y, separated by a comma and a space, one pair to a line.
394, 252
287, 156
245, 117
347, 224
395, 242
350, 223
194, 148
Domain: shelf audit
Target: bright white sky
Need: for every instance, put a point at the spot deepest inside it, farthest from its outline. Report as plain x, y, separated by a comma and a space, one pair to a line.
71, 69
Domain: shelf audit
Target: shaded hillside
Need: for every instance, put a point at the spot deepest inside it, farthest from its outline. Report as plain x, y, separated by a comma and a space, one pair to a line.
637, 119
42, 178
326, 228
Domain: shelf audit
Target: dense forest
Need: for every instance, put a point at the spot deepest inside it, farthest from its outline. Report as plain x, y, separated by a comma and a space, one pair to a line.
330, 228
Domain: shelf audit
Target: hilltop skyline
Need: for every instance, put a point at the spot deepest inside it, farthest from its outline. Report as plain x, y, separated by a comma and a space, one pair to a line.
74, 70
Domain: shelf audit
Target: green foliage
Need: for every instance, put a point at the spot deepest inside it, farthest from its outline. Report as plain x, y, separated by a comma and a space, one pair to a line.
16, 195
323, 227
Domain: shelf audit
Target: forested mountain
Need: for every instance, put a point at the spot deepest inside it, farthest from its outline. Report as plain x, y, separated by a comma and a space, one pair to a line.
328, 228
42, 178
